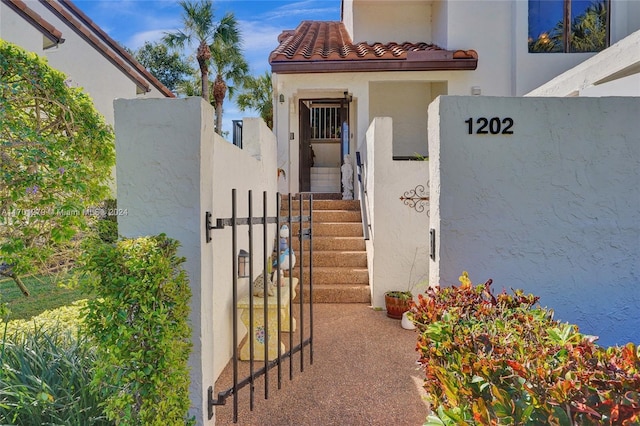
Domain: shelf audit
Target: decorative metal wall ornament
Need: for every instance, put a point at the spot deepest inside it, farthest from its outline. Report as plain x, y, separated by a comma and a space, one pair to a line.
417, 199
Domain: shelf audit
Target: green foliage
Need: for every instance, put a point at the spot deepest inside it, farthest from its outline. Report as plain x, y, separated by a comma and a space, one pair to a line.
65, 319
257, 94
501, 360
168, 67
107, 224
46, 372
56, 154
139, 322
228, 63
199, 27
402, 295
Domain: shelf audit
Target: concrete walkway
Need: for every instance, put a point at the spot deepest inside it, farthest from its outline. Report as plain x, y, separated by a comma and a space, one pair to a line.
364, 373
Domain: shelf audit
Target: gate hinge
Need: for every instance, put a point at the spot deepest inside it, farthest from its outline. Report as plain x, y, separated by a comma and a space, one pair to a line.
208, 226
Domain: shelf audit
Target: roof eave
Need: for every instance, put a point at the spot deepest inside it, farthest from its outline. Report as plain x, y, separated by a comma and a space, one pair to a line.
105, 45
116, 47
47, 29
324, 66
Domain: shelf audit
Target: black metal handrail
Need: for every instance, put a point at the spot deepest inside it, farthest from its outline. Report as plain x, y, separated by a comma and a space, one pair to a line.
364, 201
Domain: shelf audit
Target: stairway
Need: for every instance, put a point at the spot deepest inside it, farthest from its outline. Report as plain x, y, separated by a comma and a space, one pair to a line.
340, 272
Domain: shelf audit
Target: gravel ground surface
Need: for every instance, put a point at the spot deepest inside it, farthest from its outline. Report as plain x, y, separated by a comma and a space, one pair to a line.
364, 372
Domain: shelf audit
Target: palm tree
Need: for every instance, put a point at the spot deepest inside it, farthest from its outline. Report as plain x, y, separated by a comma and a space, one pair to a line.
228, 63
198, 26
257, 94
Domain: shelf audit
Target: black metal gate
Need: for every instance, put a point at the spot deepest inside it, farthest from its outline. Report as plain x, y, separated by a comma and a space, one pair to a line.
284, 309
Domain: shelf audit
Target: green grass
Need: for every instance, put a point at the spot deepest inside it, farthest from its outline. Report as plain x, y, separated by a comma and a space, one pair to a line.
46, 293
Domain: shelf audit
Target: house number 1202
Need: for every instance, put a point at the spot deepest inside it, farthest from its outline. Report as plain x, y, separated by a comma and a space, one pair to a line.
494, 126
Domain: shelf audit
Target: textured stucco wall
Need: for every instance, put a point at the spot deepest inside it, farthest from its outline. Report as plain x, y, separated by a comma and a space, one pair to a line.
378, 21
172, 169
406, 103
14, 29
553, 209
163, 172
398, 246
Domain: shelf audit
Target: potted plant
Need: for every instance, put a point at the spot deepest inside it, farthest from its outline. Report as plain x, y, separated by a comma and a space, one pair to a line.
397, 303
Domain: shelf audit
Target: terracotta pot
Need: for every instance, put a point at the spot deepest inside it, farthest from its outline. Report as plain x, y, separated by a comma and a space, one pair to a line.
396, 306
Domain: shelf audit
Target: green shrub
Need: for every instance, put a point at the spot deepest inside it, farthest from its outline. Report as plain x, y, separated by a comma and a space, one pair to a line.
52, 322
139, 322
45, 379
501, 360
56, 154
107, 224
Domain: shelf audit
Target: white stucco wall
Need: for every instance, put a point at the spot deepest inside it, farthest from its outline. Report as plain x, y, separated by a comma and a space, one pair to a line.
164, 157
398, 245
15, 30
626, 86
553, 209
377, 21
406, 103
251, 168
172, 169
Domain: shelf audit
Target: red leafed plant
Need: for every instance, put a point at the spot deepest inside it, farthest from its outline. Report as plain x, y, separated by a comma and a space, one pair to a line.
502, 359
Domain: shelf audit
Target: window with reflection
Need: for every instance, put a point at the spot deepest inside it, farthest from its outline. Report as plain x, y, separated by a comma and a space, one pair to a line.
568, 26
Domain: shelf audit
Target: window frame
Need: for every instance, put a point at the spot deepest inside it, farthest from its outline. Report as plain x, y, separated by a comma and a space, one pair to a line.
567, 26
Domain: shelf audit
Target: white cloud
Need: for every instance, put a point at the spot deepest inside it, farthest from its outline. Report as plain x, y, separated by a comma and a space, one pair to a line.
308, 9
258, 42
137, 40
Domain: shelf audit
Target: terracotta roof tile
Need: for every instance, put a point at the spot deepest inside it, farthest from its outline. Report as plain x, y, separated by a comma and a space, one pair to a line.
326, 46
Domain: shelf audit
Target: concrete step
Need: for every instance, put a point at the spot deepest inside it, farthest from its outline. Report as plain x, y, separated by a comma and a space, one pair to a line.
355, 259
335, 275
340, 272
335, 293
325, 243
332, 229
316, 196
320, 205
337, 216
325, 216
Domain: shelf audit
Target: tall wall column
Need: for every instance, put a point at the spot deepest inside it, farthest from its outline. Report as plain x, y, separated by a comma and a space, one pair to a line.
164, 152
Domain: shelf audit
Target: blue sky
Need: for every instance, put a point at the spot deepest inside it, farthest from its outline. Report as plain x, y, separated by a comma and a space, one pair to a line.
132, 22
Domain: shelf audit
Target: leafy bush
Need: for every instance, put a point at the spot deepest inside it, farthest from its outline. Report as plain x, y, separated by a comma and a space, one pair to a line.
107, 224
56, 154
501, 360
139, 322
46, 372
66, 319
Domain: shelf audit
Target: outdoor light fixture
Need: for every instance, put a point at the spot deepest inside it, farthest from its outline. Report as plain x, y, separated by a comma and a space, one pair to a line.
281, 98
243, 264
